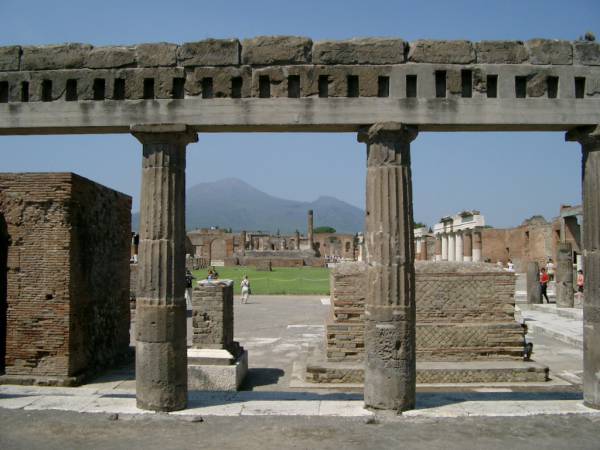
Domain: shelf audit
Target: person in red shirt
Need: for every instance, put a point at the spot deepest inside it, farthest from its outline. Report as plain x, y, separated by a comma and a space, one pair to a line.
544, 278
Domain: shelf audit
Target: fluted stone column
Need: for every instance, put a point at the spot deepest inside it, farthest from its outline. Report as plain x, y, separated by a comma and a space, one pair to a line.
564, 276
390, 371
477, 245
438, 248
468, 247
444, 247
459, 246
160, 329
589, 138
451, 247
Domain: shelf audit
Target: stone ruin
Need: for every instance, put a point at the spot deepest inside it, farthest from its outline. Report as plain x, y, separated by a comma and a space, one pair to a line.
385, 90
464, 312
66, 255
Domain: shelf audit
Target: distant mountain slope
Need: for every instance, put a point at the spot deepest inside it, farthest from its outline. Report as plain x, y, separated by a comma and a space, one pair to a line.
232, 203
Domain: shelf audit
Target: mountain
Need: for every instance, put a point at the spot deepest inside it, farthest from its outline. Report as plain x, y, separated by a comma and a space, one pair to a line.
232, 203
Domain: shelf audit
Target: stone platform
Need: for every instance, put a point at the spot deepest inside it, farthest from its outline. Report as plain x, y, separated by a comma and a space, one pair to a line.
216, 369
320, 370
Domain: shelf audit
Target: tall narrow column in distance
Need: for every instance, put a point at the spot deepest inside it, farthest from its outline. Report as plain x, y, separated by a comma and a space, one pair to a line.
589, 138
564, 275
468, 247
243, 240
459, 246
477, 246
451, 247
438, 248
444, 247
390, 375
161, 348
309, 230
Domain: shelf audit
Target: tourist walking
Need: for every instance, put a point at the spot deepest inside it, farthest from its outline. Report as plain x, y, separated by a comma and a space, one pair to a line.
189, 283
245, 285
580, 281
544, 285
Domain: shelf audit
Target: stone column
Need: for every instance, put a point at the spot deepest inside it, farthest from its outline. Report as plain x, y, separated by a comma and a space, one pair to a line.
477, 245
564, 276
297, 236
418, 247
459, 246
468, 247
243, 241
160, 356
444, 247
424, 249
438, 248
309, 230
451, 247
589, 138
390, 370
533, 283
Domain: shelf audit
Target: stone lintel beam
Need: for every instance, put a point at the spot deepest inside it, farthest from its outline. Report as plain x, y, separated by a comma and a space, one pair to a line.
589, 138
390, 380
161, 350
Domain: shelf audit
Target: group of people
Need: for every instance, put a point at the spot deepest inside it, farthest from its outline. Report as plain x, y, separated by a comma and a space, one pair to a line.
547, 275
213, 275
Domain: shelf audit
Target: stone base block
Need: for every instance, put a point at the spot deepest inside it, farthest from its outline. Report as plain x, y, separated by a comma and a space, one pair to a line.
319, 370
216, 370
40, 380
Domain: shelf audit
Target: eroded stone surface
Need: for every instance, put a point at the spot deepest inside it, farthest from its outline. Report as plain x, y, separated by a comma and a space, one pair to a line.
66, 56
548, 51
586, 53
10, 57
210, 52
359, 51
442, 52
156, 55
264, 50
501, 52
109, 57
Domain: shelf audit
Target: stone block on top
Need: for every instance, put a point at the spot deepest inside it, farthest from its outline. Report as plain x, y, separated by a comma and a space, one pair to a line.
161, 54
360, 51
442, 52
10, 57
586, 53
549, 51
267, 50
210, 52
501, 52
49, 57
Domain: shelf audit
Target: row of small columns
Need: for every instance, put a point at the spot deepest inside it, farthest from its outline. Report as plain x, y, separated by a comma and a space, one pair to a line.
390, 363
458, 246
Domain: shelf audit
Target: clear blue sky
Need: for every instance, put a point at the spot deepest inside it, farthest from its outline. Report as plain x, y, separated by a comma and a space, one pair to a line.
508, 176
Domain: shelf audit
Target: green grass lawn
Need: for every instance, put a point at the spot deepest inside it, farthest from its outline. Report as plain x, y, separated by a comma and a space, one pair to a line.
292, 281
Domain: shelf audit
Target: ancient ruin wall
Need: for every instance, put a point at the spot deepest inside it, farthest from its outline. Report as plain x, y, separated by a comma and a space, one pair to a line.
68, 274
464, 311
294, 68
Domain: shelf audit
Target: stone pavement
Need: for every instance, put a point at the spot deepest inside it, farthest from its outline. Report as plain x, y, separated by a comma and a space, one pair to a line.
563, 324
278, 331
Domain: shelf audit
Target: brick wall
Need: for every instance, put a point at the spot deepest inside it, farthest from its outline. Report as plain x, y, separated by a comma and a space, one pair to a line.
67, 274
212, 316
464, 311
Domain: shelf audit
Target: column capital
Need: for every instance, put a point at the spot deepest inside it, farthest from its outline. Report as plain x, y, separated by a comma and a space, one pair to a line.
164, 133
387, 132
586, 136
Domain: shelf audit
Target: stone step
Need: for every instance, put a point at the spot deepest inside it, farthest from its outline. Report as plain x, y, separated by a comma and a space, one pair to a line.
436, 372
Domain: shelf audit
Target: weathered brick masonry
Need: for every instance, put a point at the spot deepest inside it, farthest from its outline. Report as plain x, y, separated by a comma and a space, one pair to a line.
67, 276
464, 312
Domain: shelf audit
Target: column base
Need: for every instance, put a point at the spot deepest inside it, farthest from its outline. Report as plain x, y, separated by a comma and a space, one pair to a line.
467, 259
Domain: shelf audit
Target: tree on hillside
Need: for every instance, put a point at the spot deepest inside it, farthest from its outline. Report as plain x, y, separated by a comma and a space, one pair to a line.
324, 230
418, 225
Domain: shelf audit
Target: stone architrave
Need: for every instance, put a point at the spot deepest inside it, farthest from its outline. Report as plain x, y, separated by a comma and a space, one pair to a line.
161, 349
564, 276
468, 247
533, 283
589, 138
438, 248
390, 371
477, 245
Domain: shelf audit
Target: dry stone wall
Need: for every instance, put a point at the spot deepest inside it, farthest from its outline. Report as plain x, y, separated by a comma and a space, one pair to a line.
67, 276
464, 311
289, 66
